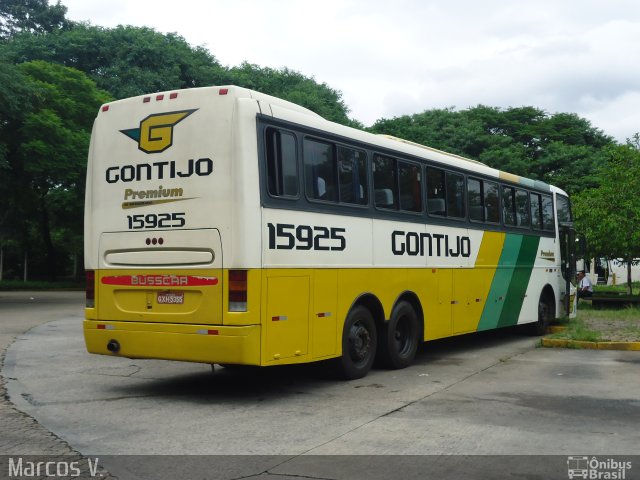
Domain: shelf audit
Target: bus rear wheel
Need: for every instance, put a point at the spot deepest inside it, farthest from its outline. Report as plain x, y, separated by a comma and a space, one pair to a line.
359, 341
399, 338
546, 314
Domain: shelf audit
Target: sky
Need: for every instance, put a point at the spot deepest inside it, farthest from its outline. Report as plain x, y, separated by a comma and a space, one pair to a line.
399, 57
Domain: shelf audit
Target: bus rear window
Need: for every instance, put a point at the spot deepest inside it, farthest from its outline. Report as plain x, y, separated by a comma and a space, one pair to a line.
282, 165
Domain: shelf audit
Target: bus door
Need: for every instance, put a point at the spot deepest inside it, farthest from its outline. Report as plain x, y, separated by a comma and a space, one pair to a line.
568, 259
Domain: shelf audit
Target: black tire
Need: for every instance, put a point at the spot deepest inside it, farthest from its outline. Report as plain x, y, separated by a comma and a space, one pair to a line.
359, 341
399, 339
545, 316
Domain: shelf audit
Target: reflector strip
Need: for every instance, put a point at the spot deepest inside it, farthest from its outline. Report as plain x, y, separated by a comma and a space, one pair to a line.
159, 281
279, 318
105, 327
208, 332
323, 314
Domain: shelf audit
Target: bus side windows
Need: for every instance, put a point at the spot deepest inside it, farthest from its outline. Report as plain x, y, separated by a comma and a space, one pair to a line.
282, 165
385, 182
536, 211
410, 176
484, 205
436, 193
352, 173
319, 170
455, 195
508, 206
547, 213
523, 213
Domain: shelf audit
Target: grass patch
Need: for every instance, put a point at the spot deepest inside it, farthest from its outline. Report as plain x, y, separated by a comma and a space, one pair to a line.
14, 285
617, 325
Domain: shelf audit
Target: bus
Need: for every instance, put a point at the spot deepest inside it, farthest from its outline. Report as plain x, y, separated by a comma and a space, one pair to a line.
226, 226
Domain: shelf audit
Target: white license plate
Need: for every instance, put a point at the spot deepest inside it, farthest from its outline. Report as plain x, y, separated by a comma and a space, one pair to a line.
170, 298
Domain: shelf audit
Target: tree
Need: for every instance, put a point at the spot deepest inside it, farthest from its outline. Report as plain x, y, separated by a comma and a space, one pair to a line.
31, 16
295, 87
46, 156
562, 149
609, 215
124, 61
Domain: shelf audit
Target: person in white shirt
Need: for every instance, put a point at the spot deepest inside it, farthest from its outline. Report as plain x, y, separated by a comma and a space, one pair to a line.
585, 287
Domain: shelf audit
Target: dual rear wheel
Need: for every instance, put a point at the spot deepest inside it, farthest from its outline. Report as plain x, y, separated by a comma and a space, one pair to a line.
395, 344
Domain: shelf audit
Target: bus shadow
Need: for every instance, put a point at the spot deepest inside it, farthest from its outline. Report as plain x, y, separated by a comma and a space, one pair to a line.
233, 383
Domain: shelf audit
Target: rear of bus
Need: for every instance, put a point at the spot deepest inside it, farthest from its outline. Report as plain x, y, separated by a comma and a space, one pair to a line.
171, 216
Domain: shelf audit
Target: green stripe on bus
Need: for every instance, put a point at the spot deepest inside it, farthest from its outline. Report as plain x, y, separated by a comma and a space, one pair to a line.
519, 282
510, 282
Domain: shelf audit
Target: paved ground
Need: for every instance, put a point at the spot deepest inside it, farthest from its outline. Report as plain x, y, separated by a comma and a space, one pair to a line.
489, 394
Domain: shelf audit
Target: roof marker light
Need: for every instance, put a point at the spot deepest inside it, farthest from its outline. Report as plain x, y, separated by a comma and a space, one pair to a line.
159, 97
146, 99
173, 95
105, 108
223, 91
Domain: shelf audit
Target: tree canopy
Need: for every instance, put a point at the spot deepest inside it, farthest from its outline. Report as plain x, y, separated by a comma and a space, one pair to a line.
562, 148
609, 215
55, 73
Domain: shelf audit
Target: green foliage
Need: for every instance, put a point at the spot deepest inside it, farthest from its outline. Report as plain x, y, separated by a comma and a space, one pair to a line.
32, 16
46, 146
609, 216
295, 87
125, 61
562, 149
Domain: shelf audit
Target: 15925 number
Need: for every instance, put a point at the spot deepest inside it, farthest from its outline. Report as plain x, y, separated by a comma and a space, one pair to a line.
284, 236
156, 220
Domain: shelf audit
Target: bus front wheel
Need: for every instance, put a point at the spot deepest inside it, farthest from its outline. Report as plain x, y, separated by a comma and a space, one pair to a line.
359, 341
399, 338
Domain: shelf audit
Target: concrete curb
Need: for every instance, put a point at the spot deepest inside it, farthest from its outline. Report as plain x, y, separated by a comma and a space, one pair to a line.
564, 343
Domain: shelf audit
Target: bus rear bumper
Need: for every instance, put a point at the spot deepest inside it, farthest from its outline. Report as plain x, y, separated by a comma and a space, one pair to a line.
192, 343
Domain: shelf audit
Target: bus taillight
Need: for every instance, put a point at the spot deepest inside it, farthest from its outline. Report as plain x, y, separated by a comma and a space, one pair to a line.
237, 290
90, 292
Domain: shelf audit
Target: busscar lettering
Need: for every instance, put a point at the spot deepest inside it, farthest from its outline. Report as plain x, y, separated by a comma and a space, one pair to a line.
159, 171
429, 244
159, 280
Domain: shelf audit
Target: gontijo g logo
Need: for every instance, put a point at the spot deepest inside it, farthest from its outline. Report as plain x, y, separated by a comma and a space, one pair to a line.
155, 133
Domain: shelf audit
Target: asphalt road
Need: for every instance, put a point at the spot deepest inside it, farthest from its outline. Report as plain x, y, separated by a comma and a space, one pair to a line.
491, 394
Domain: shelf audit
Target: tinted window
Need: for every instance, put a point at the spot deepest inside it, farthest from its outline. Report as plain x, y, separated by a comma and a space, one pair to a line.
523, 213
491, 202
563, 208
436, 193
410, 187
455, 195
352, 171
536, 211
282, 165
476, 207
547, 213
508, 206
384, 181
320, 171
